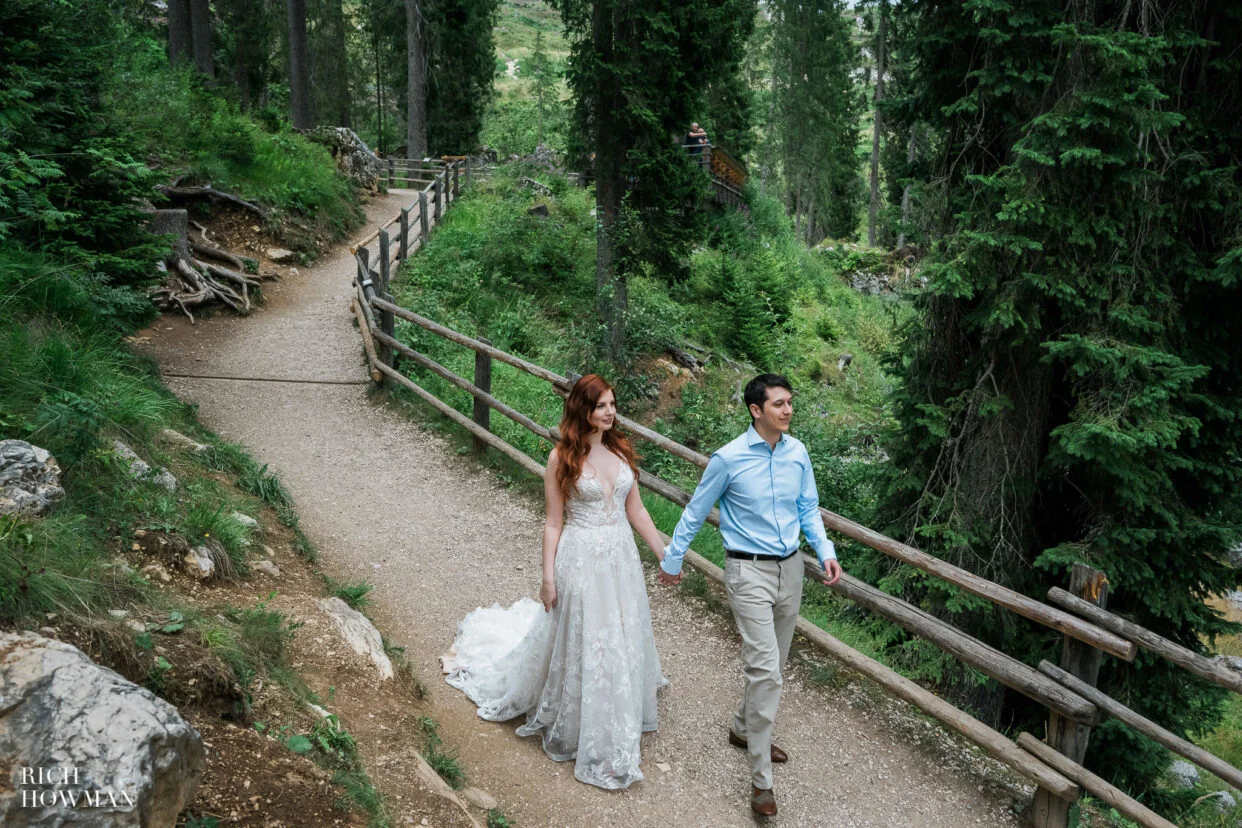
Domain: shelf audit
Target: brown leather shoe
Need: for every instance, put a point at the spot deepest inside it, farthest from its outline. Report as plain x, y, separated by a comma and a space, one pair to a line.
762, 802
778, 755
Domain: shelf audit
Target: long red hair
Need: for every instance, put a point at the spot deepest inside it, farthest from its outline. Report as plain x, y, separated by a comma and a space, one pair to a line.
575, 429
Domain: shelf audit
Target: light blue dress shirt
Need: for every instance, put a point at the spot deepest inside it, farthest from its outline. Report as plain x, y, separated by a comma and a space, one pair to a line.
766, 497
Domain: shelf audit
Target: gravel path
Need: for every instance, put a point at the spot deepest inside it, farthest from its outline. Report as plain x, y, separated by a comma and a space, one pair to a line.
388, 501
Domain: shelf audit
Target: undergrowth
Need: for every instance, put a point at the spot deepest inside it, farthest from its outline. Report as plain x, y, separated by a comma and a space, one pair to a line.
194, 129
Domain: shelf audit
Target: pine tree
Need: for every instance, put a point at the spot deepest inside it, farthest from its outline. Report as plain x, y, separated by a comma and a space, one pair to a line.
544, 81
1071, 390
814, 114
462, 65
638, 70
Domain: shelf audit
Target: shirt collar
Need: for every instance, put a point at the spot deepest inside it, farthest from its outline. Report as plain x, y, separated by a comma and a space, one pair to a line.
753, 438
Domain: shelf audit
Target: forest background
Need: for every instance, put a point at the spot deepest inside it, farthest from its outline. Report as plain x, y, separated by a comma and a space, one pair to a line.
1054, 195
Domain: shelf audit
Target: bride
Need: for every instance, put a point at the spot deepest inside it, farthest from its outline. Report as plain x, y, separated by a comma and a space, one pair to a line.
584, 671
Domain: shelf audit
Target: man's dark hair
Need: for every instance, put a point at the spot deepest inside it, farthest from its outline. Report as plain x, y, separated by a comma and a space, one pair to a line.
756, 392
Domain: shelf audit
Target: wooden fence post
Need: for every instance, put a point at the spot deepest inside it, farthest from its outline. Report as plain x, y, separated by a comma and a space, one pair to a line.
422, 216
385, 259
436, 192
362, 270
392, 174
483, 380
388, 324
403, 251
1068, 737
456, 179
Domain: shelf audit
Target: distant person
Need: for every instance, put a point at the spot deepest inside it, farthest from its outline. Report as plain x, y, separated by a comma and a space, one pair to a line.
766, 488
696, 140
584, 670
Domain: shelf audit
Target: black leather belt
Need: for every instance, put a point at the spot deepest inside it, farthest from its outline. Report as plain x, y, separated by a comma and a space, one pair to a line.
746, 556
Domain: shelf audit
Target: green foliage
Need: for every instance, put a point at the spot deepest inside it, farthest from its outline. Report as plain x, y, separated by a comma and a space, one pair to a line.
459, 83
170, 115
353, 593
815, 110
443, 761
69, 182
1081, 340
497, 819
638, 72
265, 485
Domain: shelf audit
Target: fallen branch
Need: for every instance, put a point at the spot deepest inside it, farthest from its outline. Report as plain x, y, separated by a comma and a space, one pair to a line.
209, 192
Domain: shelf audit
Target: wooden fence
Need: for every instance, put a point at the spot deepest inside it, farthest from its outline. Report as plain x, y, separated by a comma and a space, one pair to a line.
1089, 631
728, 175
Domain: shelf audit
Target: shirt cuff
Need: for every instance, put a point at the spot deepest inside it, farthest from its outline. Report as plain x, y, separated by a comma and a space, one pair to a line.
665, 564
829, 553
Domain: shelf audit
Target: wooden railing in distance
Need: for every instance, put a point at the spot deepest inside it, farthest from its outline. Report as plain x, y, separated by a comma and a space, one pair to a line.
728, 175
1069, 695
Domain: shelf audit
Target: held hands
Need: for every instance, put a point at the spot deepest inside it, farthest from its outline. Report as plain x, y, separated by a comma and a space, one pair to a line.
832, 572
547, 595
669, 580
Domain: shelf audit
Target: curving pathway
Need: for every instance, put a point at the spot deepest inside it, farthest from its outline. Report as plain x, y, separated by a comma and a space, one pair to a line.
390, 502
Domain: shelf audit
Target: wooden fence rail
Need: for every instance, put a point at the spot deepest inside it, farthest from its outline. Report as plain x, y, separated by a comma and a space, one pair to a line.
1074, 703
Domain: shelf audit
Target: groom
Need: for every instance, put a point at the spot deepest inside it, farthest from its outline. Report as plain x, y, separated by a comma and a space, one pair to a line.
766, 489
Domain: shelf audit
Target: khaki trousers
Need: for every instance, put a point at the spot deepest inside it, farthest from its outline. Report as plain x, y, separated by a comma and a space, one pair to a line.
765, 596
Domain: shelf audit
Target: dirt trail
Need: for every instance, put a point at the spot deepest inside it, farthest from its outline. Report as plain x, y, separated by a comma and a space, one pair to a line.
387, 501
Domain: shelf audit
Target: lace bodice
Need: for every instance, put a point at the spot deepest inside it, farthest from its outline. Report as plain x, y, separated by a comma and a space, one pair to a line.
593, 506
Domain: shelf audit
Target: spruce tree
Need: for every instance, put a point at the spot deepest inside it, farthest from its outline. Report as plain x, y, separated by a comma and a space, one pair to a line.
638, 70
814, 115
462, 63
1071, 390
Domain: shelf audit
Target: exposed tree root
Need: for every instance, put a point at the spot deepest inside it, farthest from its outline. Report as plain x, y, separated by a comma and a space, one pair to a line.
193, 282
209, 192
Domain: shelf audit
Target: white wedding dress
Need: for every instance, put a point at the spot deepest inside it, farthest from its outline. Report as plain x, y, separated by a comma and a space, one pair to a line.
586, 674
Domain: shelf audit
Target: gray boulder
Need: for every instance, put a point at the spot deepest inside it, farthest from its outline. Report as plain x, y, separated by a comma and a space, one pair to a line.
29, 479
140, 469
176, 439
353, 157
1184, 774
1222, 801
83, 746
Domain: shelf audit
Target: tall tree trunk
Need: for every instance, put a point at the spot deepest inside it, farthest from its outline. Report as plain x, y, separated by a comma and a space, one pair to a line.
200, 36
299, 65
248, 27
611, 290
811, 219
873, 211
416, 64
797, 207
905, 191
180, 37
336, 69
241, 79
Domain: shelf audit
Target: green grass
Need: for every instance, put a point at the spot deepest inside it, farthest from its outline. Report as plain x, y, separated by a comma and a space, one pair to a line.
353, 593
266, 486
497, 819
198, 132
444, 762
